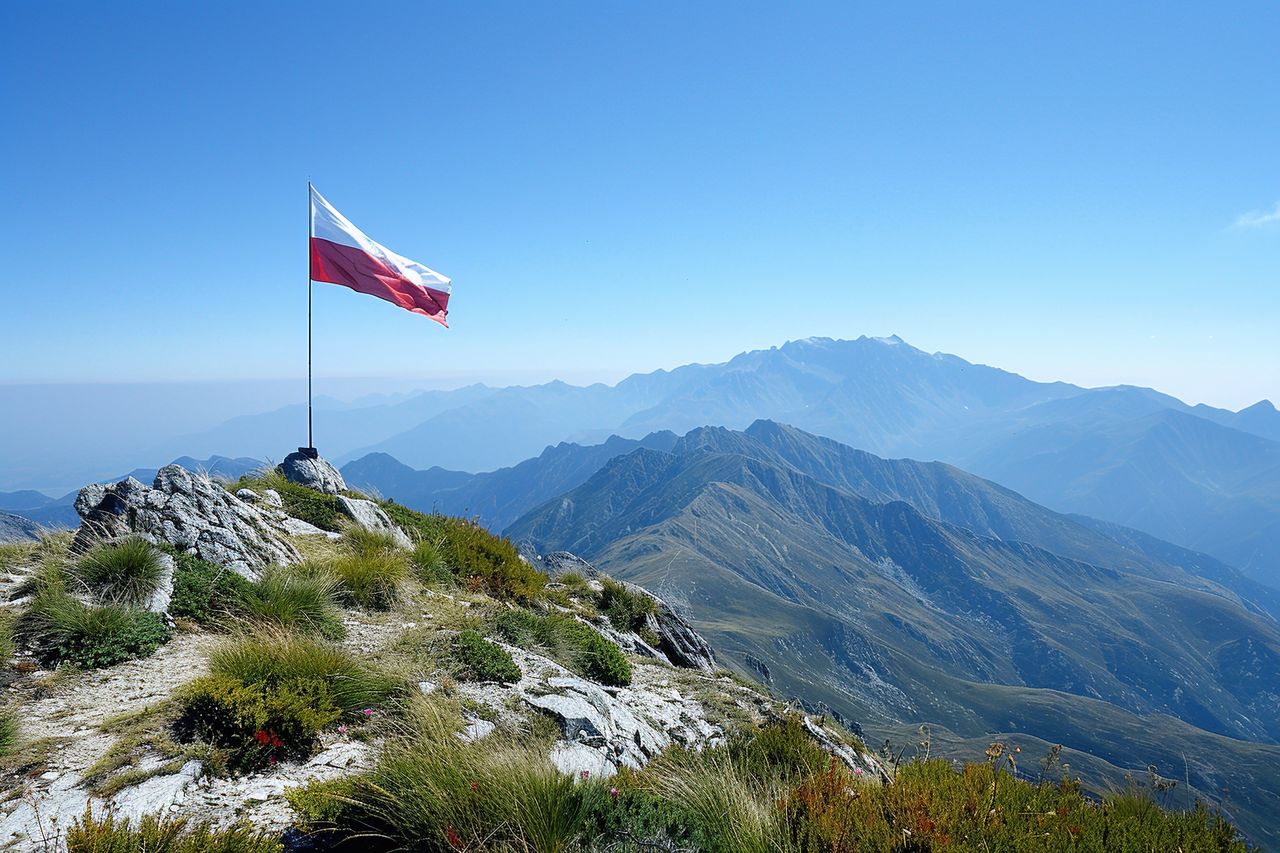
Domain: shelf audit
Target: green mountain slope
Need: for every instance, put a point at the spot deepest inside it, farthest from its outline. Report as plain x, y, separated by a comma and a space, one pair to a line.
883, 613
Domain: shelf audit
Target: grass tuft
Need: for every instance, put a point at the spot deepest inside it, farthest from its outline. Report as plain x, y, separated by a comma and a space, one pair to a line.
109, 834
291, 598
127, 571
568, 642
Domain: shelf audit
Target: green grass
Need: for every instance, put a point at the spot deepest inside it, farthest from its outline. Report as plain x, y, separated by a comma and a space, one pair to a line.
297, 599
205, 593
428, 563
478, 659
127, 571
434, 793
627, 609
299, 501
269, 694
568, 642
474, 556
59, 628
9, 731
108, 834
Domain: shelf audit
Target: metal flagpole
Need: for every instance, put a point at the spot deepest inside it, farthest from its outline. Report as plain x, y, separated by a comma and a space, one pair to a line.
311, 442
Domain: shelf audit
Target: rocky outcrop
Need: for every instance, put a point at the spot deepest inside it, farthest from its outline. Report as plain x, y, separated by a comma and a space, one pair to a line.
15, 528
370, 516
189, 511
680, 644
312, 472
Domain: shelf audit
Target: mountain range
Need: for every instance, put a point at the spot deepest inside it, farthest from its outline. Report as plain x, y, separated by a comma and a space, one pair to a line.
910, 593
1204, 478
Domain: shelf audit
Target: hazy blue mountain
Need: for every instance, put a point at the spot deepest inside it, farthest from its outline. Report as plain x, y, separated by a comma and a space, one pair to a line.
24, 499
1170, 474
497, 498
1131, 456
881, 611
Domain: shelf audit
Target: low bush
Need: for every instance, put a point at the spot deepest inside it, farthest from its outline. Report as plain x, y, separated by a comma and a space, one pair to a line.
292, 598
60, 629
128, 570
109, 834
568, 642
254, 726
627, 609
205, 593
269, 695
478, 659
780, 748
474, 556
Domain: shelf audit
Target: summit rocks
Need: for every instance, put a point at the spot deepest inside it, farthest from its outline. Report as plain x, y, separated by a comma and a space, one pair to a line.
191, 512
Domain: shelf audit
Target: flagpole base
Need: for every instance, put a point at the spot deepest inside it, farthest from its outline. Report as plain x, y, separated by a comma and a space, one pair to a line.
309, 452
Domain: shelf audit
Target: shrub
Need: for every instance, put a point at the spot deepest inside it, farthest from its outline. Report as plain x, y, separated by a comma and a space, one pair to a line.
252, 725
288, 598
90, 834
627, 609
58, 628
268, 696
205, 593
568, 642
480, 660
128, 570
473, 555
779, 748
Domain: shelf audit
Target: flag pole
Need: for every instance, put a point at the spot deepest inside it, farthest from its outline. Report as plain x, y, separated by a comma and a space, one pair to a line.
311, 443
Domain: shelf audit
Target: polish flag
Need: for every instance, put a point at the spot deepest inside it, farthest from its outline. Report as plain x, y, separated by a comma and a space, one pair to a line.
342, 254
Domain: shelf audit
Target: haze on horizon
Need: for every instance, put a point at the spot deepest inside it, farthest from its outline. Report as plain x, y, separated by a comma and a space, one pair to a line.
1084, 194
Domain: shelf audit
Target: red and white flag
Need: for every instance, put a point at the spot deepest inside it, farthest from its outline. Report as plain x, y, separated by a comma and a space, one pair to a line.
342, 254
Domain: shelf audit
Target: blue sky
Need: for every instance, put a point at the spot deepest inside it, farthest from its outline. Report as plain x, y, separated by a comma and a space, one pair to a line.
1082, 192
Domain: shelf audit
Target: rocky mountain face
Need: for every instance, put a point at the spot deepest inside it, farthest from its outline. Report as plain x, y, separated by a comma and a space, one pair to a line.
910, 592
15, 528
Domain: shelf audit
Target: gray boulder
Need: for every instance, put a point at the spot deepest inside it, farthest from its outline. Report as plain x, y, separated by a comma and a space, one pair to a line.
370, 516
189, 511
314, 473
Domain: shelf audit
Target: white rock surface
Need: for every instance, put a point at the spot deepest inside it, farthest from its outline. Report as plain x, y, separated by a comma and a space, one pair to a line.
370, 516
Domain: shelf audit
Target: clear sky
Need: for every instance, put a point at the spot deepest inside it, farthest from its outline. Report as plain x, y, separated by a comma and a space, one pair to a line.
1084, 192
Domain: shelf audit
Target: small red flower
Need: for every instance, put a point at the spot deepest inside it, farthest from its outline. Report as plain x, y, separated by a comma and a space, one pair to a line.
586, 774
613, 792
261, 737
455, 840
475, 786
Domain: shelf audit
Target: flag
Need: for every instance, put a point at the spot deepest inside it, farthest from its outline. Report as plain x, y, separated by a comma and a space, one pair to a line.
342, 254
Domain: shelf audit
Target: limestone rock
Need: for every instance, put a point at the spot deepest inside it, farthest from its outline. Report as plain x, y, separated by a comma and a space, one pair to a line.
189, 511
159, 600
370, 516
157, 794
315, 473
576, 759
